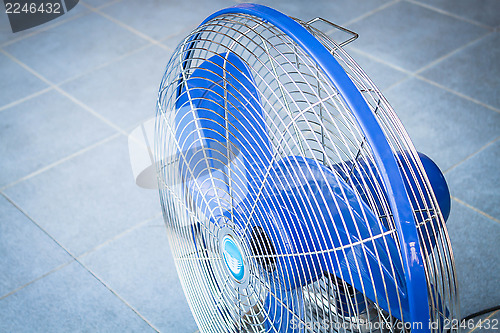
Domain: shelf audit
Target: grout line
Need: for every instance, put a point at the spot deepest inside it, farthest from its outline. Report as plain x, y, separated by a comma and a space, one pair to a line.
75, 100
44, 28
479, 322
396, 83
89, 109
487, 106
356, 19
365, 15
75, 259
382, 61
26, 98
181, 34
107, 4
38, 226
29, 69
63, 4
98, 67
118, 296
448, 55
60, 161
120, 23
72, 98
471, 155
444, 12
37, 279
53, 85
127, 27
134, 31
90, 71
118, 236
475, 209
418, 76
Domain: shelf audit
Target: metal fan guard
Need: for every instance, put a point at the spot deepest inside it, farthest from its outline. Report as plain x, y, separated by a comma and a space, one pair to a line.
306, 116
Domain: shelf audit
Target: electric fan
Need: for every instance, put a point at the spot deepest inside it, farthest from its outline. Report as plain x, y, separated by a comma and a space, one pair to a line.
293, 197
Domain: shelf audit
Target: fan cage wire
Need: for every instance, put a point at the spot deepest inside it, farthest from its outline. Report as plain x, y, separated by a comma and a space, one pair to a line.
440, 270
302, 90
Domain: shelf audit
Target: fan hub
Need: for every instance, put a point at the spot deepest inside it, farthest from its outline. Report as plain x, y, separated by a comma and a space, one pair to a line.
233, 258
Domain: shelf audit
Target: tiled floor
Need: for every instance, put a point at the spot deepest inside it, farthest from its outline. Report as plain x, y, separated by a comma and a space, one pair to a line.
84, 249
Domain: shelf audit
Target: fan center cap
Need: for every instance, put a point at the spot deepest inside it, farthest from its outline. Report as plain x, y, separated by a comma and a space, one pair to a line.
233, 258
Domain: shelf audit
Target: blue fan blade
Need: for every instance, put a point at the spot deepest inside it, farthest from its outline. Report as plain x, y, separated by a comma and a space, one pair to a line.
318, 225
363, 178
219, 121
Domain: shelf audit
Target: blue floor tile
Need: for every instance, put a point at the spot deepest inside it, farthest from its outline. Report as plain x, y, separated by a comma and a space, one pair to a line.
140, 268
63, 52
442, 125
482, 11
160, 21
474, 71
338, 12
16, 81
87, 199
125, 91
43, 130
26, 251
476, 181
410, 36
68, 300
474, 239
382, 75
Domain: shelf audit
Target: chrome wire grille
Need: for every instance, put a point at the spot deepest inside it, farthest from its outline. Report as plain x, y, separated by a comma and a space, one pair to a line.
440, 263
305, 116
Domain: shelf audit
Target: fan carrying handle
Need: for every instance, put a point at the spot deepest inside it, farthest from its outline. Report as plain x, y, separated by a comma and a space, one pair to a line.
353, 34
